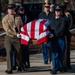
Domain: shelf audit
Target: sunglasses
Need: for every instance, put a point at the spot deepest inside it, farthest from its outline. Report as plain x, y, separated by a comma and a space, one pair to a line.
47, 7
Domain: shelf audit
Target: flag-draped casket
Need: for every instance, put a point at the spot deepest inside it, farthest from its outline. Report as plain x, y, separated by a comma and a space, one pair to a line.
37, 29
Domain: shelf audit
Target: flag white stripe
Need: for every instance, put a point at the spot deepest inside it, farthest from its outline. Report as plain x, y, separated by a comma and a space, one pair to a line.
28, 28
43, 34
22, 29
37, 24
24, 37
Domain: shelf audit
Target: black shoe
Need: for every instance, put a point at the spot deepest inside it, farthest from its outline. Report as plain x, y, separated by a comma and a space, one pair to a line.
19, 69
28, 65
53, 72
14, 68
69, 67
24, 67
8, 71
45, 62
63, 70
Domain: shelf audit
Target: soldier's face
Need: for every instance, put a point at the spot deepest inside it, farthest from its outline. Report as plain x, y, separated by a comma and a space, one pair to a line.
10, 11
46, 9
57, 13
51, 9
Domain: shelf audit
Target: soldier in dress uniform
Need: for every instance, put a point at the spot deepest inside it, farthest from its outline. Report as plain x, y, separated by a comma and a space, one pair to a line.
12, 26
46, 14
68, 18
58, 41
52, 7
25, 48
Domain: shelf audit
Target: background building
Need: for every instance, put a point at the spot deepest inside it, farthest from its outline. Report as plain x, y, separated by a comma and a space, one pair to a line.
4, 3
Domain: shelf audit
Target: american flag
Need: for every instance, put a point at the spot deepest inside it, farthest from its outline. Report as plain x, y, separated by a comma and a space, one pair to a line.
37, 29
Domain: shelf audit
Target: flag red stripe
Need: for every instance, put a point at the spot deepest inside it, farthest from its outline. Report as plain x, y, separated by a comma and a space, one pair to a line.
24, 42
25, 28
42, 40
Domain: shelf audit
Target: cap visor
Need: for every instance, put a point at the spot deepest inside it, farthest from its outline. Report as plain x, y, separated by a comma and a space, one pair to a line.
47, 6
57, 9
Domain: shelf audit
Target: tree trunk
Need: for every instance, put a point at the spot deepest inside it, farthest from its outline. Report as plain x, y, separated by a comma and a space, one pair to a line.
20, 1
52, 1
0, 10
72, 2
46, 1
11, 1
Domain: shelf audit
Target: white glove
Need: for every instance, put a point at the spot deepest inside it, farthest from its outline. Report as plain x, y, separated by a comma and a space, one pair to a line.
18, 35
51, 35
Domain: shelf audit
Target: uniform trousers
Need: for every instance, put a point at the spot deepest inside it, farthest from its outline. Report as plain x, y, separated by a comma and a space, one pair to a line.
68, 39
14, 58
58, 49
9, 42
25, 54
45, 51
